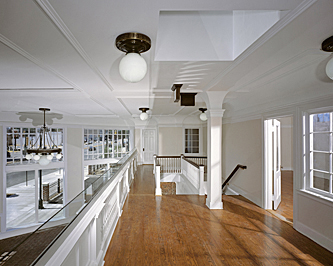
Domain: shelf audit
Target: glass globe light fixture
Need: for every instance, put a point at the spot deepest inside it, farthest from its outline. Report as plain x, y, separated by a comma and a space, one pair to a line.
49, 157
143, 115
327, 46
44, 160
132, 67
329, 69
58, 156
203, 116
28, 156
36, 157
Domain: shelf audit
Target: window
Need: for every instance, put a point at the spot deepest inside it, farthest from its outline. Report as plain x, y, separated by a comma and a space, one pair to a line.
192, 140
19, 139
105, 143
320, 153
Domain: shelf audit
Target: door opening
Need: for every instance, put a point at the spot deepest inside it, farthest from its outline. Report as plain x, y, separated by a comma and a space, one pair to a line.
279, 167
148, 145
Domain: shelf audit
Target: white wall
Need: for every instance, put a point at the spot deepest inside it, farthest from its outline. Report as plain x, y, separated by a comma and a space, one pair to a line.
170, 140
242, 144
287, 142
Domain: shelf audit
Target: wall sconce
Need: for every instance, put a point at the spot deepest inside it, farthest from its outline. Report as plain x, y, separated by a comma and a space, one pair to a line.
203, 116
327, 46
143, 115
133, 67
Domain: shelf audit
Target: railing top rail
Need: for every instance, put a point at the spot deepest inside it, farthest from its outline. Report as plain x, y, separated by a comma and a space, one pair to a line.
158, 157
233, 173
190, 162
200, 157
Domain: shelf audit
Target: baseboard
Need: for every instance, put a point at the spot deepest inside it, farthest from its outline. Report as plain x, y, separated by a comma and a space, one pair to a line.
243, 193
229, 191
314, 235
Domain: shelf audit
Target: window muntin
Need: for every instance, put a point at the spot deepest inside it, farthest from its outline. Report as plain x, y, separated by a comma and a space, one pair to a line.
320, 143
107, 143
191, 140
19, 139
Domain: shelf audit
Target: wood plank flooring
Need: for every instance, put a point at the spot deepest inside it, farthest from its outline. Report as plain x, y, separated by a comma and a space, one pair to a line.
286, 207
181, 230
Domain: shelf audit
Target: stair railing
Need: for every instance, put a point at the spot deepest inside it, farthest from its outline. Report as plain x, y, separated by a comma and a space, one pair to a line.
233, 173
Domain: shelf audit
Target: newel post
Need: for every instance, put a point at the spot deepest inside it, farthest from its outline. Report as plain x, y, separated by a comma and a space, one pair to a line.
201, 180
154, 156
158, 191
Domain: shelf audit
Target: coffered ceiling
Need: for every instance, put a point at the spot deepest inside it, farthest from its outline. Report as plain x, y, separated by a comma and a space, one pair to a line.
61, 54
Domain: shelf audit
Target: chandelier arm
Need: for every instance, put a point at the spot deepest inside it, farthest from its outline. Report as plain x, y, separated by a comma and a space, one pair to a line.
33, 145
51, 140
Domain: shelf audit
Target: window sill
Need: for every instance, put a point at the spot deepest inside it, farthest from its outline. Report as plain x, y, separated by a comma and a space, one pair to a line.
318, 197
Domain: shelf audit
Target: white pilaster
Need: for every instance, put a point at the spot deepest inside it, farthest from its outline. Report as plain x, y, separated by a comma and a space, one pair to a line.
214, 164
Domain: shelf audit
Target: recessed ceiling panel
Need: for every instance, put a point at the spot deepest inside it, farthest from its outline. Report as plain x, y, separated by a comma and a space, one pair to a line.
210, 35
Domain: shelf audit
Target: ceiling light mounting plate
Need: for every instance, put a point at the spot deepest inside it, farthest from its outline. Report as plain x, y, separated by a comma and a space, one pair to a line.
133, 42
327, 45
143, 109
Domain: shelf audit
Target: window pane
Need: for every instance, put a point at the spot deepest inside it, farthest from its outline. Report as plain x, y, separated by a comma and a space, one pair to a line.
20, 191
321, 142
321, 161
321, 181
321, 122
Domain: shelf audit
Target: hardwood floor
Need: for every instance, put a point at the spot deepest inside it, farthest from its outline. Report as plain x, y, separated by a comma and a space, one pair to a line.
286, 207
181, 230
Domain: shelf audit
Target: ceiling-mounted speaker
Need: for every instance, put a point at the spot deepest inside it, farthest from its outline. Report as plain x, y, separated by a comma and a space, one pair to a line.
187, 99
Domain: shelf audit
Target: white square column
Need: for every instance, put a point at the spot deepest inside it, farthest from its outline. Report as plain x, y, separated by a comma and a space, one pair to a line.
214, 156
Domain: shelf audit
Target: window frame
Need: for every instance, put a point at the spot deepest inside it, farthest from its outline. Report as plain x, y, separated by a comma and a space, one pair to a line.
115, 133
199, 141
308, 151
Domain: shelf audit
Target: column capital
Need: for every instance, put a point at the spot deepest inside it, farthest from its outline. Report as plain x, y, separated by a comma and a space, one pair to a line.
215, 112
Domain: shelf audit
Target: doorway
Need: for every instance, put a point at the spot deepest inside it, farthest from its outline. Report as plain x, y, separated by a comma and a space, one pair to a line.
279, 167
148, 145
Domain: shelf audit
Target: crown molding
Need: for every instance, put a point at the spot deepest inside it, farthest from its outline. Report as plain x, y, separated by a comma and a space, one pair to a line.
60, 24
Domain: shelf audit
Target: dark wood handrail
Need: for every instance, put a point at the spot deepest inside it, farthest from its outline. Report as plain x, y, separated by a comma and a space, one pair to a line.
233, 173
167, 157
201, 157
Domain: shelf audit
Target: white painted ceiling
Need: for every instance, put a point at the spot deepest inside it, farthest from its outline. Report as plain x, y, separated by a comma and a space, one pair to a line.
61, 54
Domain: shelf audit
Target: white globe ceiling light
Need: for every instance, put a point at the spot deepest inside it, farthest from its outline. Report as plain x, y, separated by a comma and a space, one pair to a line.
143, 115
203, 116
329, 69
327, 46
44, 147
133, 67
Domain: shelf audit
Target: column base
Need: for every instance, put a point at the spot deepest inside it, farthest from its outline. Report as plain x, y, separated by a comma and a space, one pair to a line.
158, 192
214, 205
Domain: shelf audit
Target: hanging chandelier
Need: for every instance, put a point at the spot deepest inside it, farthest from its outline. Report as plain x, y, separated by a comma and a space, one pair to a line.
44, 148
